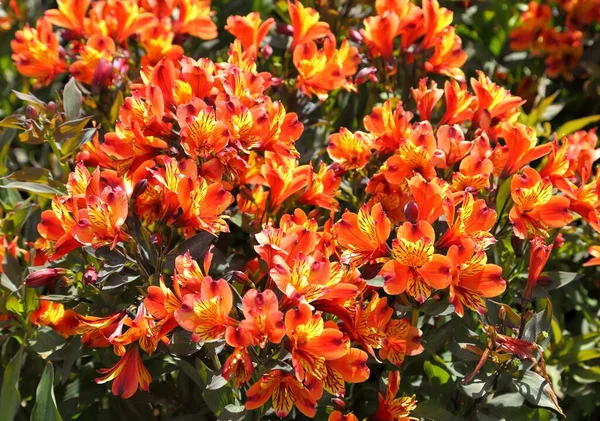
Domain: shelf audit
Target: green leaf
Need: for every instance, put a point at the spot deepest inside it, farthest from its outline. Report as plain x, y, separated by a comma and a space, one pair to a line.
35, 188
10, 398
73, 143
434, 411
536, 390
441, 385
70, 129
45, 403
72, 99
376, 282
46, 342
578, 124
539, 324
503, 196
559, 279
40, 105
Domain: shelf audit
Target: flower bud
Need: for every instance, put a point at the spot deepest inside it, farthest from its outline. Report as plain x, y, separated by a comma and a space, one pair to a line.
354, 35
366, 73
156, 239
284, 29
338, 403
51, 109
266, 51
31, 112
139, 188
45, 276
90, 275
411, 212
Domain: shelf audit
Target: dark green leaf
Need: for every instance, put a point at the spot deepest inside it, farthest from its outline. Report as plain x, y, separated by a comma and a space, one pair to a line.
10, 398
536, 390
434, 411
45, 404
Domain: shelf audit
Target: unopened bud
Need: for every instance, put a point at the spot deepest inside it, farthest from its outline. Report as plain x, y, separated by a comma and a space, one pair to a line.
139, 188
542, 336
338, 403
156, 239
266, 51
284, 29
411, 212
51, 109
90, 275
31, 112
45, 276
559, 241
354, 35
368, 73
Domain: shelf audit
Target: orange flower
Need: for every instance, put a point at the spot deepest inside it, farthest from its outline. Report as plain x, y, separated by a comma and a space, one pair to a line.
460, 104
36, 53
96, 49
286, 392
54, 315
401, 339
206, 314
307, 26
495, 104
365, 322
284, 178
363, 236
158, 42
309, 278
472, 222
472, 278
379, 34
452, 146
392, 408
432, 198
262, 318
415, 268
118, 20
415, 155
239, 367
338, 416
351, 368
595, 260
323, 70
142, 328
322, 186
389, 126
436, 20
194, 18
521, 147
69, 15
350, 150
448, 56
128, 374
529, 33
536, 209
426, 98
6, 246
312, 343
249, 29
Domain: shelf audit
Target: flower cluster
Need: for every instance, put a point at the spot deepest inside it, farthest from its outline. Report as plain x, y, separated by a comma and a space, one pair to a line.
561, 47
99, 38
